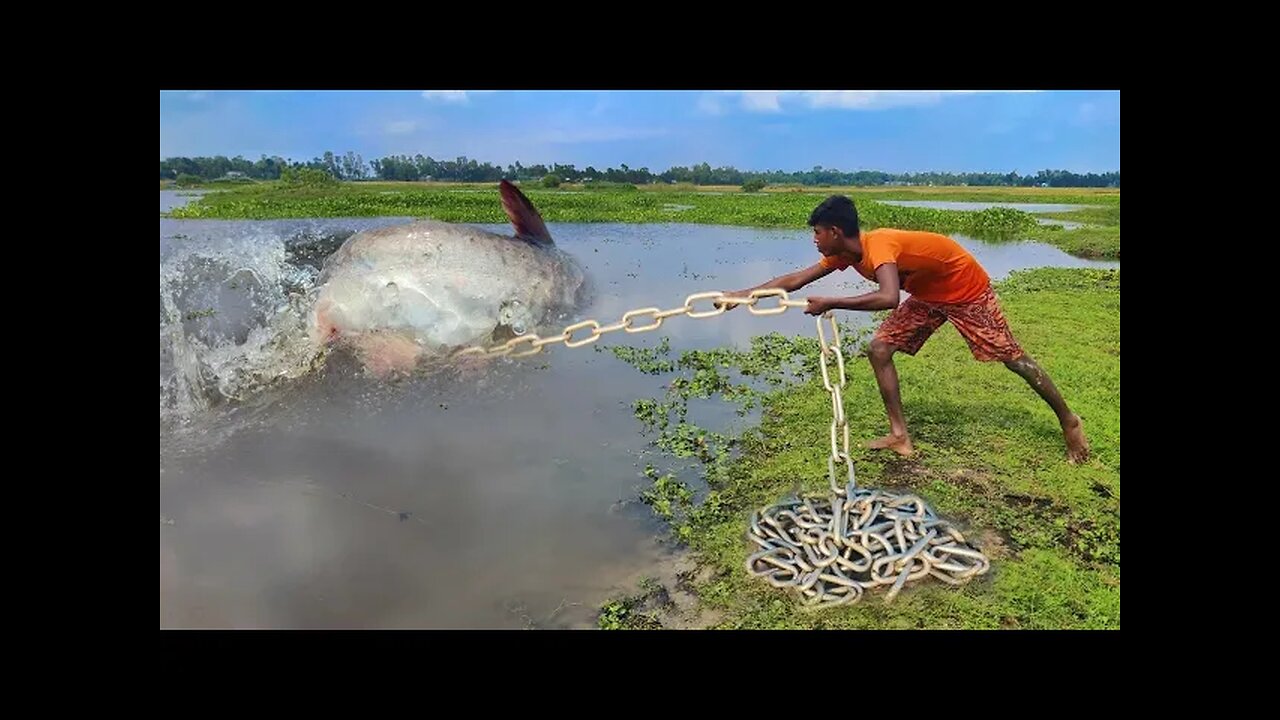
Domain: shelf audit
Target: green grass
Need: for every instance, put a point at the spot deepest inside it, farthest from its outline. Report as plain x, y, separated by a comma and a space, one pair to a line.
1072, 196
1065, 196
479, 204
1101, 243
990, 457
1106, 216
1099, 238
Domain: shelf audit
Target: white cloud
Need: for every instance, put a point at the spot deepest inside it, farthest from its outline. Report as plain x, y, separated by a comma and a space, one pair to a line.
709, 104
603, 103
876, 99
460, 97
773, 101
1086, 114
762, 100
446, 96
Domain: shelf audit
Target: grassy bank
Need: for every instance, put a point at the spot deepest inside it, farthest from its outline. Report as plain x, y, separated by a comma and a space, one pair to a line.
1100, 238
990, 457
778, 208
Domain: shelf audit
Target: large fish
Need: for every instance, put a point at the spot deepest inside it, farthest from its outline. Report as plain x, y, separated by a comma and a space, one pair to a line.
395, 295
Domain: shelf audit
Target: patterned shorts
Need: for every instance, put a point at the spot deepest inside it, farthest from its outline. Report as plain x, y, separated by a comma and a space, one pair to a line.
980, 322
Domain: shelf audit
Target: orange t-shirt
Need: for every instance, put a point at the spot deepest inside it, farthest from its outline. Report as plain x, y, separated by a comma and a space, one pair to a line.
932, 267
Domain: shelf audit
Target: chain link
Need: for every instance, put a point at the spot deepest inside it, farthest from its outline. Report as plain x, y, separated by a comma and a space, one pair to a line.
720, 301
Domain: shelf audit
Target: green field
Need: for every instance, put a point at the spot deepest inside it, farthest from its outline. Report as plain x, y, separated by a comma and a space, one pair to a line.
989, 458
775, 207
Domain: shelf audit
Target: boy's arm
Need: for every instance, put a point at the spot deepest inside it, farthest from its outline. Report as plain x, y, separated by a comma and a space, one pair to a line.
885, 298
789, 282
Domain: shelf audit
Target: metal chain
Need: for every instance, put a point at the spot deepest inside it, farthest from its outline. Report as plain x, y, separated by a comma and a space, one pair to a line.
832, 548
721, 303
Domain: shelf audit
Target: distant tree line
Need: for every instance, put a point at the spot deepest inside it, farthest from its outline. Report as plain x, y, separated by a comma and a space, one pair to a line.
351, 166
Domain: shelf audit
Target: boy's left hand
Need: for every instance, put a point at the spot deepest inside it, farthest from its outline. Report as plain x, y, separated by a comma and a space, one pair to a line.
819, 305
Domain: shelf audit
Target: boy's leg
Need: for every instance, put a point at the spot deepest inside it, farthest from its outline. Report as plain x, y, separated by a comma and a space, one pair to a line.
1072, 428
983, 325
903, 331
881, 356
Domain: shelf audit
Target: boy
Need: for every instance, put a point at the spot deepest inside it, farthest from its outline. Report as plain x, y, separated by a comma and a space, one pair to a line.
945, 283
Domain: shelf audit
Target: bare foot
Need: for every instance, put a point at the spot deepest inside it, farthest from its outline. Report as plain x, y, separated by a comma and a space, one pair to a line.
900, 444
1077, 444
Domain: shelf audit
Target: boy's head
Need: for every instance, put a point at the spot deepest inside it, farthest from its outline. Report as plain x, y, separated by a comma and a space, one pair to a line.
833, 220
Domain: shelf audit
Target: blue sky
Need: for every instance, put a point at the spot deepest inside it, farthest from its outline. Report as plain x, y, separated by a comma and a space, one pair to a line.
906, 131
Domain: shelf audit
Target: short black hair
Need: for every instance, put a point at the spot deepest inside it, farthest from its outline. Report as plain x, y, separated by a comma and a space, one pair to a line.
837, 211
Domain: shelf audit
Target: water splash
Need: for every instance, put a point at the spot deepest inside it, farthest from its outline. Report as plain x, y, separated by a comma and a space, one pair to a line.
233, 312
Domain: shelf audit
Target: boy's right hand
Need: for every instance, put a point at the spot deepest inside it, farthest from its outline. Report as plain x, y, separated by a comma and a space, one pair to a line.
734, 293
